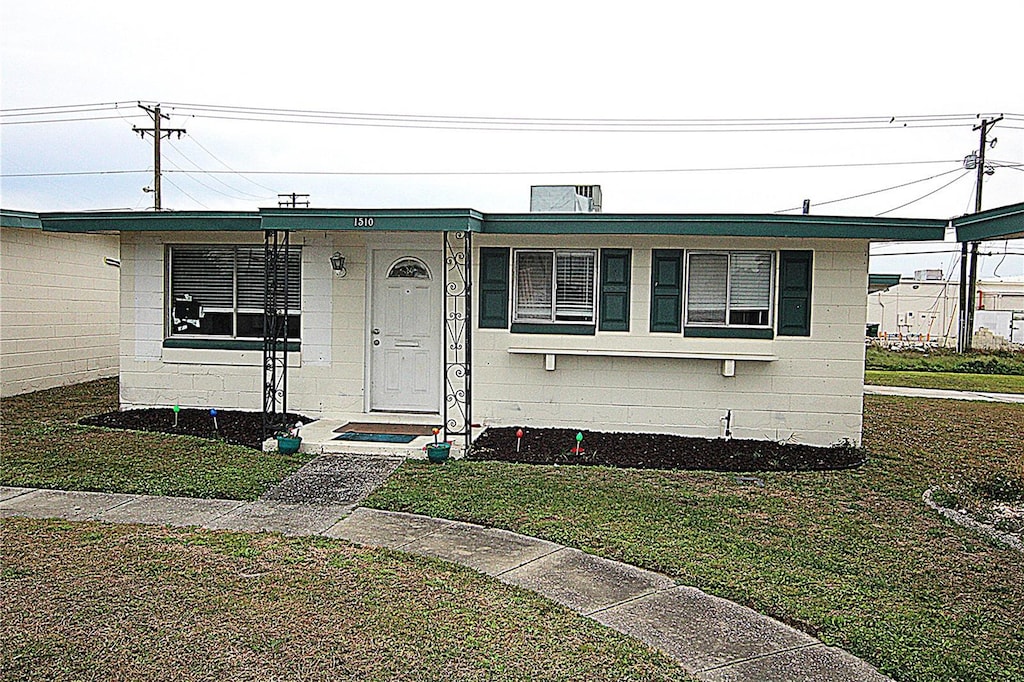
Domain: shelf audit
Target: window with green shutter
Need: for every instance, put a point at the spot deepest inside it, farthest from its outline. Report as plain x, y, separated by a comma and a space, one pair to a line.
666, 290
493, 288
615, 283
795, 273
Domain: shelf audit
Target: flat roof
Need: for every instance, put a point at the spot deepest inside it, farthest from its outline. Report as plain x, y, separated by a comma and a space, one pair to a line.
469, 220
1005, 222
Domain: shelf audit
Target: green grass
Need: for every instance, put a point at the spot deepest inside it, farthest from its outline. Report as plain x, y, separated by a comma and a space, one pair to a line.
944, 360
90, 601
43, 447
996, 383
854, 557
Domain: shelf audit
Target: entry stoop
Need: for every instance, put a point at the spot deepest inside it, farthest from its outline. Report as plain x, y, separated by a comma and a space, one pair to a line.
318, 437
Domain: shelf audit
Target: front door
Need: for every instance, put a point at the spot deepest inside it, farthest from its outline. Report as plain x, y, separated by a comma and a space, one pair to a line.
405, 332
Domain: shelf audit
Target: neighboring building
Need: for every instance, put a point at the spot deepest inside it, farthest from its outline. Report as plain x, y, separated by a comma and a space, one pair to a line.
926, 310
58, 305
686, 324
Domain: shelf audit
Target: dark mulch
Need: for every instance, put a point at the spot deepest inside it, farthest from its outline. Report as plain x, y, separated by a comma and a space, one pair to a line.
659, 451
233, 426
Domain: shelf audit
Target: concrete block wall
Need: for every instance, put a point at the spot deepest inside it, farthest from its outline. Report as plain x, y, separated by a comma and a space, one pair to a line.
58, 309
811, 394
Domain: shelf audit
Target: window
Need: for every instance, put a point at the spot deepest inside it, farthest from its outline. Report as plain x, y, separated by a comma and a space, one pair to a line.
554, 286
219, 291
728, 289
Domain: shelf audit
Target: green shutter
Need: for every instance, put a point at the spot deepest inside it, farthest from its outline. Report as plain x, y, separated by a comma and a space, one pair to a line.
795, 268
666, 290
615, 281
493, 313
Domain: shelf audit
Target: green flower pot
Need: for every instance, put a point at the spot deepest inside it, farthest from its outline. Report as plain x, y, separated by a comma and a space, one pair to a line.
287, 445
438, 452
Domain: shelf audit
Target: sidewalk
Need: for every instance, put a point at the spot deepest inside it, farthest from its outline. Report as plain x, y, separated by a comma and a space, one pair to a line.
986, 396
711, 638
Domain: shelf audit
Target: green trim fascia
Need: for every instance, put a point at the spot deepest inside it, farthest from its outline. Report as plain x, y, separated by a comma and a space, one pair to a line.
224, 344
372, 219
567, 329
165, 221
728, 333
729, 225
25, 219
1005, 222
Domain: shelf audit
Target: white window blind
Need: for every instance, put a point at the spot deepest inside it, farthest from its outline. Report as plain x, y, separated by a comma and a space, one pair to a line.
707, 282
205, 274
554, 286
574, 286
729, 289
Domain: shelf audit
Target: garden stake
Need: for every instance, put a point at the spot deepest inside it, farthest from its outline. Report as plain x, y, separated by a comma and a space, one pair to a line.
519, 438
176, 410
213, 413
579, 443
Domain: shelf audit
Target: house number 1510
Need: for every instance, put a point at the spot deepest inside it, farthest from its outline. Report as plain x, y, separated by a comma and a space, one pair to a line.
362, 222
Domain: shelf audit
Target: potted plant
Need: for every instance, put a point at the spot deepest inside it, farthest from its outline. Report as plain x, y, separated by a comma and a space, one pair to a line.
437, 452
289, 440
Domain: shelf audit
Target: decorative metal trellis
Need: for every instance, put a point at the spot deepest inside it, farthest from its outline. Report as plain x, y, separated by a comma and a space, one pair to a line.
275, 330
458, 325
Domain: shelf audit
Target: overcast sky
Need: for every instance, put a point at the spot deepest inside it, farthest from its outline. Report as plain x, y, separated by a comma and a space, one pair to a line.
593, 61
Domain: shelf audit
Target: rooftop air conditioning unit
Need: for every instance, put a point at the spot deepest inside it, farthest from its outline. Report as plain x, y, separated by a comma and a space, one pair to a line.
565, 199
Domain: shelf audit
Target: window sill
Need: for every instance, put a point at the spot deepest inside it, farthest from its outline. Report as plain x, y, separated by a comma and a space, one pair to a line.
727, 359
554, 328
215, 343
728, 333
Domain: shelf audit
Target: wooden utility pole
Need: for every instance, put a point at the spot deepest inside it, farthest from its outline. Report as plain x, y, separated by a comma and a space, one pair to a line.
970, 290
158, 133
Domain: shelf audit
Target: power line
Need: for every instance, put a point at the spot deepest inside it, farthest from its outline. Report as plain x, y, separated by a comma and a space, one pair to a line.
923, 196
866, 194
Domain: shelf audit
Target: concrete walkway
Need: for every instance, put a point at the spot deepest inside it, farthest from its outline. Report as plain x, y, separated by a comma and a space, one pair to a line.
711, 638
944, 393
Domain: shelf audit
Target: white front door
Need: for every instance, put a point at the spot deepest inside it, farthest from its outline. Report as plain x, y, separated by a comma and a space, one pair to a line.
405, 332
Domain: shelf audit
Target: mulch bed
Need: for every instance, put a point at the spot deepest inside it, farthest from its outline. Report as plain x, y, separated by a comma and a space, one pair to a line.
233, 426
539, 446
659, 451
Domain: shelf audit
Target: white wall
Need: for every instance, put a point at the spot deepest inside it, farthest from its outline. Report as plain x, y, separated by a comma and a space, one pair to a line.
58, 309
325, 378
811, 394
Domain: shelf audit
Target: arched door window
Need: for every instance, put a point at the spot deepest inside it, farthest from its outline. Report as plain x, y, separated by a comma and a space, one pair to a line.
408, 268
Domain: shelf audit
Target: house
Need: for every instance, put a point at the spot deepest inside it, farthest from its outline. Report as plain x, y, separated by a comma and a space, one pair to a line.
58, 305
691, 324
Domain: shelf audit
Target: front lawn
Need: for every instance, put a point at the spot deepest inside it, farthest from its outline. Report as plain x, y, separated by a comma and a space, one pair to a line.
853, 556
91, 601
44, 447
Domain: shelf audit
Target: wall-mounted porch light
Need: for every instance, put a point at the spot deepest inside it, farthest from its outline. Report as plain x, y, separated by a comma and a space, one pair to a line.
338, 264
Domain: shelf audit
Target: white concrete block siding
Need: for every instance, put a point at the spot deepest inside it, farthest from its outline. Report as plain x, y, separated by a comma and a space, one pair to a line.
58, 309
811, 394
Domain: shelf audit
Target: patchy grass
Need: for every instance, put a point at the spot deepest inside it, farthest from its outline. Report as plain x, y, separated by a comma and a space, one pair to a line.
945, 360
994, 383
103, 602
853, 557
44, 447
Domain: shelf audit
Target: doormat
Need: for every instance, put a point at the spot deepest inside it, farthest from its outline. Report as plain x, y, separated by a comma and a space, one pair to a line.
370, 427
376, 437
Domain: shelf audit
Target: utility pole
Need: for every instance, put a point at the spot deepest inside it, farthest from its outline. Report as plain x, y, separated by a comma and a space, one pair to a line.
969, 284
158, 133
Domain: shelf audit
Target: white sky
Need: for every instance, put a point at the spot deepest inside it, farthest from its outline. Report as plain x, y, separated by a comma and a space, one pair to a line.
590, 59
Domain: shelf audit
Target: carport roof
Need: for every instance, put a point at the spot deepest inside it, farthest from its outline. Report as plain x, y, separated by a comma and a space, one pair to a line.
1005, 222
442, 220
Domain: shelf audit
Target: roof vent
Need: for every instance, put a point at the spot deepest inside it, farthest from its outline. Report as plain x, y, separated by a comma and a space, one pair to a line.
565, 199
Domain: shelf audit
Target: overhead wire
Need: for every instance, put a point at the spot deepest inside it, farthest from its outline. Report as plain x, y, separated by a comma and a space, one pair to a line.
923, 196
876, 191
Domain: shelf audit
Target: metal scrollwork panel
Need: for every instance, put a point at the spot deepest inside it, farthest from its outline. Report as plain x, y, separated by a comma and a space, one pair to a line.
457, 334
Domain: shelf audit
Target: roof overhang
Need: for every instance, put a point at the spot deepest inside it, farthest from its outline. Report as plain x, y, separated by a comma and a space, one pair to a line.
9, 218
1005, 222
882, 282
445, 220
